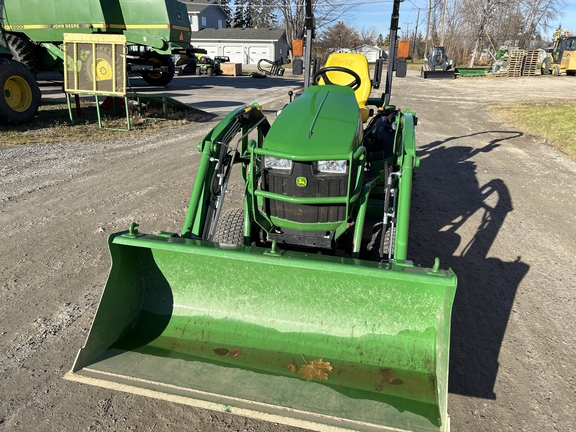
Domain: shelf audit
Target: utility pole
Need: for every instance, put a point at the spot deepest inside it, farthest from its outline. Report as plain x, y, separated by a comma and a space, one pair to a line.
415, 34
407, 33
443, 18
427, 27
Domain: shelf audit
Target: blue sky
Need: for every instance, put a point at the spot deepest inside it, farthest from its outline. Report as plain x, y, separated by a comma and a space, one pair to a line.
376, 13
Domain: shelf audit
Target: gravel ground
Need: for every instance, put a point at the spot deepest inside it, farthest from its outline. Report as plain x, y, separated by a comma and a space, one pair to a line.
495, 205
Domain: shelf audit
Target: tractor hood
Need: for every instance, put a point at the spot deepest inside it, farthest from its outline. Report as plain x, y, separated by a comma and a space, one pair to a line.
324, 120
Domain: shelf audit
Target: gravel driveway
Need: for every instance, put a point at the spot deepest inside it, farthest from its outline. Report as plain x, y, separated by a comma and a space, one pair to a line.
495, 205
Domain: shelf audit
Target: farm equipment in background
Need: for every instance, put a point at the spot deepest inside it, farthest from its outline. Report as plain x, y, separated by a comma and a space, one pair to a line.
297, 303
562, 59
437, 64
208, 66
154, 30
19, 92
268, 67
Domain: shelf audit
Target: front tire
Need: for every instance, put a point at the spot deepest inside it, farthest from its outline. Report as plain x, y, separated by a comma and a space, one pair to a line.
157, 78
24, 51
19, 93
230, 228
545, 67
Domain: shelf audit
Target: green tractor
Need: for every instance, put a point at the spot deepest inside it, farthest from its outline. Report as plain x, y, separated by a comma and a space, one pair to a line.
20, 95
208, 66
299, 305
154, 30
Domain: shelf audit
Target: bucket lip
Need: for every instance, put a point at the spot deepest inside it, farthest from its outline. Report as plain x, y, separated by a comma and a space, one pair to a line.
174, 243
99, 374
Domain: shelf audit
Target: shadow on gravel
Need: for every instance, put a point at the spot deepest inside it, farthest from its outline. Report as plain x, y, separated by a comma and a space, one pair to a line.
446, 195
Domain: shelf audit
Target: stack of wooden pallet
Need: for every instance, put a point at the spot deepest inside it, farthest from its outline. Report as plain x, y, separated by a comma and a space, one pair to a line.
530, 62
515, 59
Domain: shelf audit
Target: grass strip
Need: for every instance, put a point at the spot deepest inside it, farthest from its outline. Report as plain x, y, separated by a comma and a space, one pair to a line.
549, 122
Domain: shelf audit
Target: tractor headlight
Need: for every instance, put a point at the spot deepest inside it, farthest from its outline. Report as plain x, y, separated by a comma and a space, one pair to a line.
333, 166
277, 163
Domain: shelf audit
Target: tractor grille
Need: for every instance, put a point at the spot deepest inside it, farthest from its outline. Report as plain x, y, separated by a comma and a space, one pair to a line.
318, 185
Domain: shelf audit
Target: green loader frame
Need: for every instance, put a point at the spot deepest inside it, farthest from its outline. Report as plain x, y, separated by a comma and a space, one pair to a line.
280, 309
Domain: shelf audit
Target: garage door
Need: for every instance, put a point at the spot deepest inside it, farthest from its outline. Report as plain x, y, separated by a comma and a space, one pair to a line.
235, 53
210, 51
255, 53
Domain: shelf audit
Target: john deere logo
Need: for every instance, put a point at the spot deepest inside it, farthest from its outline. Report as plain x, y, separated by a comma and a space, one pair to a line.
301, 181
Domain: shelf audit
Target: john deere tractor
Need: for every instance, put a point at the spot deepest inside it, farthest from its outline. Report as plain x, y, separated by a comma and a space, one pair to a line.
299, 304
154, 30
19, 91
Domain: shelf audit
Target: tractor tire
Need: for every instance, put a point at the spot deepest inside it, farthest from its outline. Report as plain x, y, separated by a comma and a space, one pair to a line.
159, 78
103, 68
209, 71
198, 70
545, 67
379, 244
387, 243
24, 51
19, 93
556, 71
230, 228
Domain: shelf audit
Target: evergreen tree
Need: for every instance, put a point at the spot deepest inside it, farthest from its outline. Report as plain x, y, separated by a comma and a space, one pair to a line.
248, 14
264, 14
380, 40
225, 5
238, 16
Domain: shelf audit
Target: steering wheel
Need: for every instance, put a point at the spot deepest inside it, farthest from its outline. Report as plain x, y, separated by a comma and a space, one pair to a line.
323, 73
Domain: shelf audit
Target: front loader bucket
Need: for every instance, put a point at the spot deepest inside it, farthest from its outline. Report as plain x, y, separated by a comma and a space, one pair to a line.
303, 339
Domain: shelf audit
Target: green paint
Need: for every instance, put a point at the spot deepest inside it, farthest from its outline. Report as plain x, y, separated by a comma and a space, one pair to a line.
254, 313
382, 328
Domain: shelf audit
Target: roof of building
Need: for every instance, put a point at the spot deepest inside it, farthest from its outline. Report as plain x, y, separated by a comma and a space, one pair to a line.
368, 48
199, 6
239, 33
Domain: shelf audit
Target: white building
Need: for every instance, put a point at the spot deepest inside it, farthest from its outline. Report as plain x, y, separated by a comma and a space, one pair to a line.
245, 46
372, 53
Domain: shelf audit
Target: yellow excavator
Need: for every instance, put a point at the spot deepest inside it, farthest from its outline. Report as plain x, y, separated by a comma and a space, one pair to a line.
562, 59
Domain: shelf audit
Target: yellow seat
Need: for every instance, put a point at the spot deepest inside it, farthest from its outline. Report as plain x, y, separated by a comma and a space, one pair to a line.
359, 64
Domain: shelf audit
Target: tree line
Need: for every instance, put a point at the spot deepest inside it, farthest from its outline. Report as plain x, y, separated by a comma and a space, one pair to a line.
470, 29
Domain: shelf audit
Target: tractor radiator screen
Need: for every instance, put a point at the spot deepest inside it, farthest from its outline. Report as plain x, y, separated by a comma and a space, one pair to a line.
304, 182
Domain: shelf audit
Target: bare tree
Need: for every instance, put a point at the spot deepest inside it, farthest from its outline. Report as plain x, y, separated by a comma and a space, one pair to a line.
334, 38
326, 13
368, 35
537, 13
475, 27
